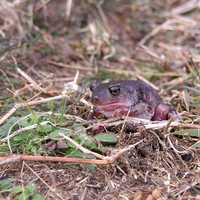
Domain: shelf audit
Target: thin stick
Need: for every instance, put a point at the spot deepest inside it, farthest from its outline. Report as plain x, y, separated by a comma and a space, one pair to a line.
105, 159
177, 152
33, 126
30, 80
154, 32
68, 8
144, 122
26, 104
8, 114
76, 67
186, 7
83, 149
147, 82
122, 151
169, 24
150, 52
19, 158
21, 130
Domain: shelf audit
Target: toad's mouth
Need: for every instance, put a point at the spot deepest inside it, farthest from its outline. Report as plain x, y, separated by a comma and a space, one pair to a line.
112, 110
112, 106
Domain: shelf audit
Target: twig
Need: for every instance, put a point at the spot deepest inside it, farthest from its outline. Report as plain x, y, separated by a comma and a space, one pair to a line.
174, 82
22, 182
26, 104
154, 32
105, 159
172, 146
68, 9
30, 80
76, 67
83, 149
103, 17
146, 81
150, 52
187, 187
10, 129
84, 193
192, 126
22, 90
24, 129
176, 151
28, 128
186, 7
125, 120
122, 151
10, 159
19, 158
147, 124
170, 24
8, 114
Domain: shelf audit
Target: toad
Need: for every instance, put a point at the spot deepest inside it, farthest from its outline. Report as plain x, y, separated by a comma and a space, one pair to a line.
130, 97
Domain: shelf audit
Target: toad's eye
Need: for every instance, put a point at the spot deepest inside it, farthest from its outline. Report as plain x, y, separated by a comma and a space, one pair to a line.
114, 90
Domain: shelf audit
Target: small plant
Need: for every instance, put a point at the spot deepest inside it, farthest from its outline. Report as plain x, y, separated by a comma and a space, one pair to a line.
39, 134
7, 188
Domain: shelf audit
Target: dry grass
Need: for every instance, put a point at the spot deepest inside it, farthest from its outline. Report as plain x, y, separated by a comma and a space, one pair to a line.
44, 44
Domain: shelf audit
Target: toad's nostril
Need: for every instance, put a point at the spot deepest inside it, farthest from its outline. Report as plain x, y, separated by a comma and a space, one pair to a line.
95, 98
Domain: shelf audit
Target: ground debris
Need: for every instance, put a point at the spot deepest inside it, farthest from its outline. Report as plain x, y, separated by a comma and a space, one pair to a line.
52, 51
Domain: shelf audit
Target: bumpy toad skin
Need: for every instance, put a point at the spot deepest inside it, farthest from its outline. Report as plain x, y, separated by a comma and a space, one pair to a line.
129, 97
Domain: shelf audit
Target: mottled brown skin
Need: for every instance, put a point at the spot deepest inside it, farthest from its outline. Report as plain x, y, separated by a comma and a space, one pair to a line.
129, 97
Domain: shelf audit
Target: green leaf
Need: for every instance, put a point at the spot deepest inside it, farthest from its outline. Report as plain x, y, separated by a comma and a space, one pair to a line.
91, 167
86, 140
16, 190
54, 135
26, 193
29, 191
5, 185
4, 149
188, 132
196, 145
5, 128
79, 128
106, 138
37, 197
45, 128
77, 153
